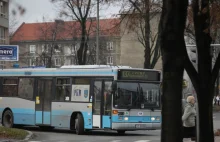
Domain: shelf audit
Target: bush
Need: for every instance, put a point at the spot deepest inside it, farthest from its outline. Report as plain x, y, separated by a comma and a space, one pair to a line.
11, 133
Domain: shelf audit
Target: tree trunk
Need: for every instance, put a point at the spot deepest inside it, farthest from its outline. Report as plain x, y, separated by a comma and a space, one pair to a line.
172, 24
172, 95
82, 44
217, 84
204, 86
205, 122
147, 50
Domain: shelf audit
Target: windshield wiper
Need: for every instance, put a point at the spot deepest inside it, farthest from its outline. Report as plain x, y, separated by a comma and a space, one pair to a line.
130, 107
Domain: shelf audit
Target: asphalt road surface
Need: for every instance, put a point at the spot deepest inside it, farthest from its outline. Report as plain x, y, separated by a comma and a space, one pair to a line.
59, 135
94, 136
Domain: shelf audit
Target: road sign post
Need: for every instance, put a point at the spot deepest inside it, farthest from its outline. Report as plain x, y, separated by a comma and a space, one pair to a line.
9, 52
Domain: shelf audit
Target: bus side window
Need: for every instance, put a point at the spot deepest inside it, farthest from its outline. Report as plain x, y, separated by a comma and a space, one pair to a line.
26, 88
63, 89
10, 87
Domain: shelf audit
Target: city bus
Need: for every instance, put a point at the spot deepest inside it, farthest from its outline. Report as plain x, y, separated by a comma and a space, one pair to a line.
81, 98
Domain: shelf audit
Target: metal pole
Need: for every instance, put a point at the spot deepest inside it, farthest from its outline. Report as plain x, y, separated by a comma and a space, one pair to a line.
97, 36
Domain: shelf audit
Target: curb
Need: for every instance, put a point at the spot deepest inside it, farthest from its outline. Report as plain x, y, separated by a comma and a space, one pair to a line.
30, 134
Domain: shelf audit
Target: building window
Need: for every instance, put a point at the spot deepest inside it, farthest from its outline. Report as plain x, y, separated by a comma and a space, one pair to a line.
45, 61
32, 48
109, 45
110, 60
2, 35
32, 62
2, 62
3, 9
57, 61
45, 48
57, 48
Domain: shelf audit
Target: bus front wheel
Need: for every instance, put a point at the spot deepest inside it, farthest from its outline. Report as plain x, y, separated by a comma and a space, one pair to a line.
121, 132
7, 119
79, 124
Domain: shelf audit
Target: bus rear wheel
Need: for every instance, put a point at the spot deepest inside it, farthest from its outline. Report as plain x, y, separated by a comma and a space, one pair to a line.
8, 119
79, 124
121, 132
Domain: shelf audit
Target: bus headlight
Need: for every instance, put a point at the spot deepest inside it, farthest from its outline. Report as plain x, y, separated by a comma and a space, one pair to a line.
152, 118
126, 118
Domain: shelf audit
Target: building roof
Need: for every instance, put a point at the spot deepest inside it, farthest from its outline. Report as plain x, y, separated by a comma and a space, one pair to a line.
66, 30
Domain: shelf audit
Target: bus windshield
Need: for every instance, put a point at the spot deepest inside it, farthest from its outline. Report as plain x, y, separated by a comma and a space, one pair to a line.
137, 95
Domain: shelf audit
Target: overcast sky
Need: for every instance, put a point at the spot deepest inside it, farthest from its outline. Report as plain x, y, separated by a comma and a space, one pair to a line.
36, 9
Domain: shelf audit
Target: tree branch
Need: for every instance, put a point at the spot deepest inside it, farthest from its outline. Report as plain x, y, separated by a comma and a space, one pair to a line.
69, 4
87, 9
136, 7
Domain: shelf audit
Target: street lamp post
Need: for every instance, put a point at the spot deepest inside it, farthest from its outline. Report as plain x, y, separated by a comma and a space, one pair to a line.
97, 36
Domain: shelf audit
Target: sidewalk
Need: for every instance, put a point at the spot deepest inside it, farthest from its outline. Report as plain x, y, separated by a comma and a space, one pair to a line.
217, 139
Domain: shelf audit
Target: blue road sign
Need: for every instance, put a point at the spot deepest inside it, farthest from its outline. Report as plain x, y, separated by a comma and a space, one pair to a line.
9, 52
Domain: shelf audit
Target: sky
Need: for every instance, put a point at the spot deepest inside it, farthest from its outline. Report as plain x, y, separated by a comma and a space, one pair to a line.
36, 9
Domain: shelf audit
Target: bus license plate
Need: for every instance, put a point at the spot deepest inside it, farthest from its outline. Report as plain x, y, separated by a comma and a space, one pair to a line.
140, 126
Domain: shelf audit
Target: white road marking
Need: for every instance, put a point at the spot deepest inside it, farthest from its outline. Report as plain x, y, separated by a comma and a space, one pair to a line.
115, 141
143, 141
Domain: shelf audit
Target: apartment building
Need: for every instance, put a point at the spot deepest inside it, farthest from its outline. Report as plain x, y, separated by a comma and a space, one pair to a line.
54, 44
4, 27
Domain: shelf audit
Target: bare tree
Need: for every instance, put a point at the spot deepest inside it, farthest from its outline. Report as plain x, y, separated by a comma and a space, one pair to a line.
50, 33
78, 10
138, 15
104, 52
13, 23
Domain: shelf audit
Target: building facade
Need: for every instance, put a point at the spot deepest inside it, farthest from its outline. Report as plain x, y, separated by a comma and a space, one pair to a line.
4, 28
118, 45
132, 34
54, 44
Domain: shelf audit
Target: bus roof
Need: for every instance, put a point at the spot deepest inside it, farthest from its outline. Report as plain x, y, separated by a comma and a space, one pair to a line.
93, 66
73, 70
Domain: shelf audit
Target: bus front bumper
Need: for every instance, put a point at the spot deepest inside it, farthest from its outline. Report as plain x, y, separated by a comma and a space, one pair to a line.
136, 126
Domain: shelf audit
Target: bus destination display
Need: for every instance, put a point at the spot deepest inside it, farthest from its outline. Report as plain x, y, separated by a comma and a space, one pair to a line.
138, 75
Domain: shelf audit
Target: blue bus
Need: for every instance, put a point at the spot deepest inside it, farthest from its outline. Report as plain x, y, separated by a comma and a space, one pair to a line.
81, 98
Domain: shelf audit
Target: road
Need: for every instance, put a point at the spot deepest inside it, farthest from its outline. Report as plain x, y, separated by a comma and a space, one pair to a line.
95, 136
216, 120
59, 135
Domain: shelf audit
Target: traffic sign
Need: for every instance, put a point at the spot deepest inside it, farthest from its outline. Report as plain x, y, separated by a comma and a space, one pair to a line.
9, 52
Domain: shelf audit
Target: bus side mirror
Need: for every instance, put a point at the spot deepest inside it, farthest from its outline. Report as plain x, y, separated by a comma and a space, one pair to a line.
114, 86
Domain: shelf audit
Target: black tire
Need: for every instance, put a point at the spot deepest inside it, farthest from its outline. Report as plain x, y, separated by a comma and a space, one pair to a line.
79, 124
8, 119
121, 132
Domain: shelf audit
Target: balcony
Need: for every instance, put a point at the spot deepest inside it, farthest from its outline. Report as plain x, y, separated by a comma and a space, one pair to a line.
4, 20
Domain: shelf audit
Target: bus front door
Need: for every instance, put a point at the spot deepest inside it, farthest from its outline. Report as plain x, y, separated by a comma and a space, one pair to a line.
102, 104
43, 102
